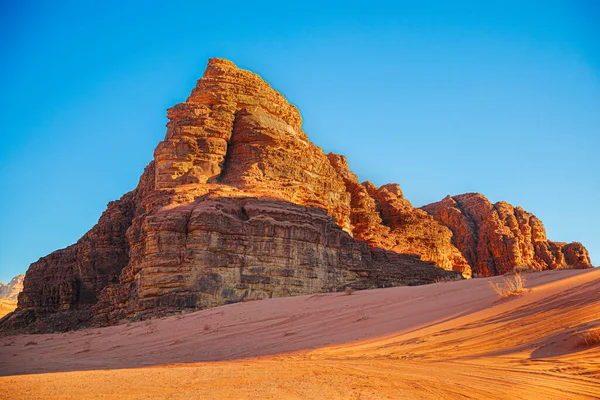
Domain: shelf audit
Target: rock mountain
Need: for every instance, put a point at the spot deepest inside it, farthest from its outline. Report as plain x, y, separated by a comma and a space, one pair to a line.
238, 204
12, 289
9, 293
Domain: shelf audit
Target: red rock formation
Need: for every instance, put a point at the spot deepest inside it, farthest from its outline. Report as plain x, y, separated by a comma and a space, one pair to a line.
237, 204
496, 238
385, 219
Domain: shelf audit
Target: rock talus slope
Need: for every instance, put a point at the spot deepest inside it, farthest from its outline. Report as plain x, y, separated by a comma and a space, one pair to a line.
496, 238
237, 204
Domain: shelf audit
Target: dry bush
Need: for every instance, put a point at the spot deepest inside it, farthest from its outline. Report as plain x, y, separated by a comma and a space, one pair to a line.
511, 286
348, 290
362, 315
590, 338
523, 268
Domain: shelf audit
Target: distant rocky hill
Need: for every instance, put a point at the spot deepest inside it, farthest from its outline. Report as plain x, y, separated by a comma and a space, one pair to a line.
9, 293
496, 238
13, 288
237, 205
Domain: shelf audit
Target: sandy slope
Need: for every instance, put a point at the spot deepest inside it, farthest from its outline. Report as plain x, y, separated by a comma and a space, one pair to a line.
7, 306
448, 340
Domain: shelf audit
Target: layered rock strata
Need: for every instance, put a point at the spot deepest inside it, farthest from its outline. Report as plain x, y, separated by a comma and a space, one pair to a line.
237, 204
497, 238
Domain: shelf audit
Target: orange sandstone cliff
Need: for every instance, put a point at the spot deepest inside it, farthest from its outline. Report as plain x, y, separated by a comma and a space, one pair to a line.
496, 238
238, 204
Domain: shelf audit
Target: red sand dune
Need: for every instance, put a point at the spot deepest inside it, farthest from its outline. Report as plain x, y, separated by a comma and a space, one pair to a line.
446, 340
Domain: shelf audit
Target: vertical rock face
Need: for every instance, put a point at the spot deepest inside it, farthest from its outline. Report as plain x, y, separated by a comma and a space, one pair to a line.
234, 129
496, 238
238, 204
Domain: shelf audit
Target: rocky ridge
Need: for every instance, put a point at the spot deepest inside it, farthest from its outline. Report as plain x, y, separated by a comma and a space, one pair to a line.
12, 289
237, 205
9, 293
496, 238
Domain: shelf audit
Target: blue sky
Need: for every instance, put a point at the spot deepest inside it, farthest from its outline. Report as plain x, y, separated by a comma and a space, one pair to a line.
501, 98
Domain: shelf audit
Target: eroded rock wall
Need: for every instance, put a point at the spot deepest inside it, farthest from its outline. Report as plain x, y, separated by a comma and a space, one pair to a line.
496, 238
238, 204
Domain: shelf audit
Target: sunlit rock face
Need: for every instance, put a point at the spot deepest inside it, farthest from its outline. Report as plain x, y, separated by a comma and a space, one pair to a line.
12, 289
9, 293
237, 204
496, 238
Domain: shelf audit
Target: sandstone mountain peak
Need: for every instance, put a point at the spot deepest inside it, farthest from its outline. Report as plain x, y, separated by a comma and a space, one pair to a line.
238, 204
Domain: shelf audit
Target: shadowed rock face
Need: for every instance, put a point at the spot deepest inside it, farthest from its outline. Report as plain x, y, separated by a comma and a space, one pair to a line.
237, 204
496, 238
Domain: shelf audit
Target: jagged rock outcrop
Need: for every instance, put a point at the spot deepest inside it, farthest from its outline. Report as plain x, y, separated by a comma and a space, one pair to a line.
496, 238
385, 219
12, 289
237, 204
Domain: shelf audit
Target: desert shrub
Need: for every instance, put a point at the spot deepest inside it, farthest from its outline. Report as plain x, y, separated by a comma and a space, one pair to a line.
348, 290
511, 286
590, 338
523, 268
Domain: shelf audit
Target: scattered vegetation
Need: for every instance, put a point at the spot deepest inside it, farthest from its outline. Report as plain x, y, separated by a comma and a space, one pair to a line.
523, 268
590, 338
511, 286
363, 315
348, 290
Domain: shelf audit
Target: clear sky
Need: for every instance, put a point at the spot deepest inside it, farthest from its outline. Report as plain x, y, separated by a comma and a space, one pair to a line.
447, 97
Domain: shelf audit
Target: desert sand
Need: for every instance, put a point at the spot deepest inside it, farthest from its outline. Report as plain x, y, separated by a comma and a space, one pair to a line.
450, 340
7, 306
